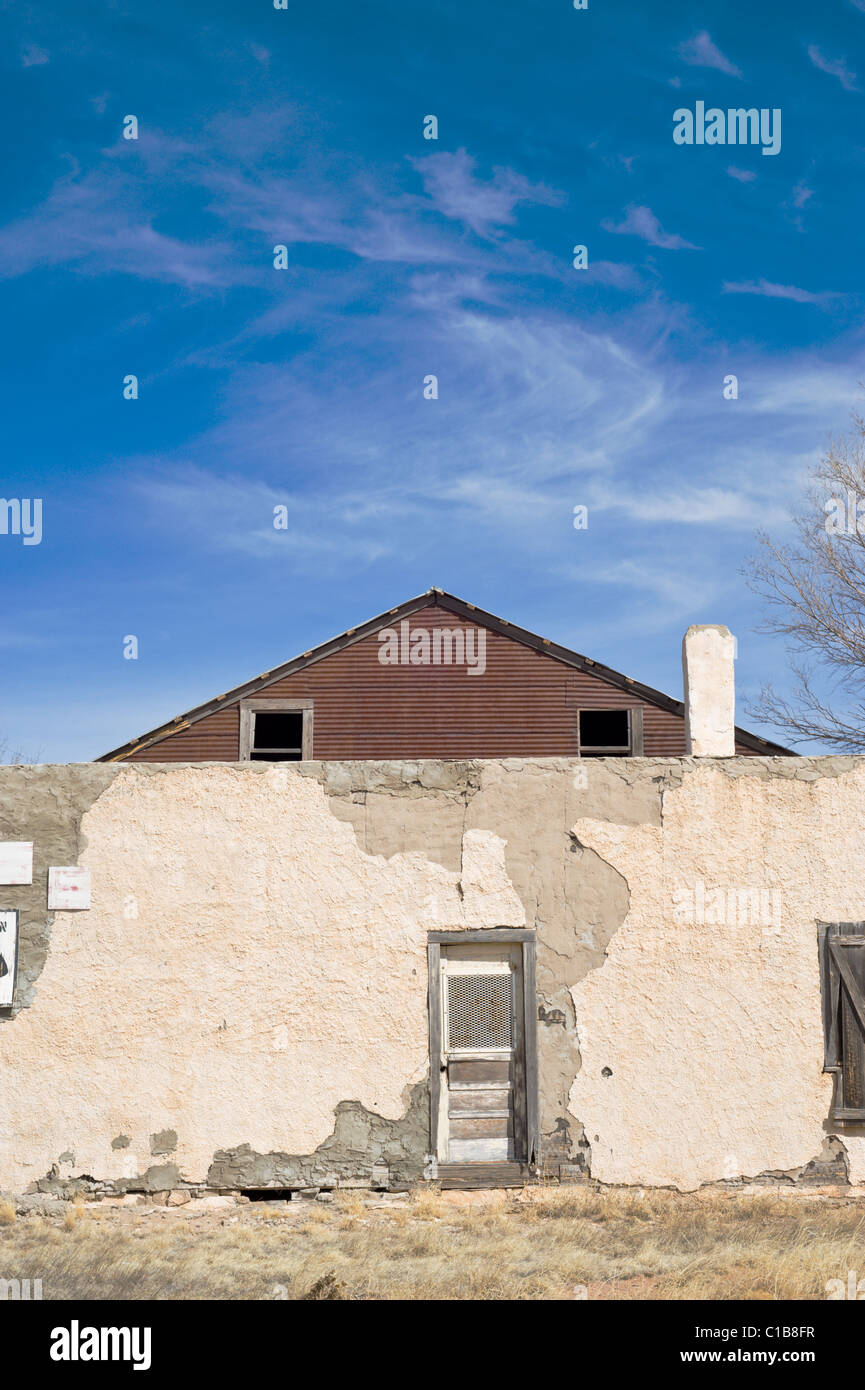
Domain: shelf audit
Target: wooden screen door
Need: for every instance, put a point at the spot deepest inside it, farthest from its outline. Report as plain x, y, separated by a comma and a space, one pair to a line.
482, 1114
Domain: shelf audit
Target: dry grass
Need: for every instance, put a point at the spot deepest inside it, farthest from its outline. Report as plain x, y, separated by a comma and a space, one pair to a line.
540, 1244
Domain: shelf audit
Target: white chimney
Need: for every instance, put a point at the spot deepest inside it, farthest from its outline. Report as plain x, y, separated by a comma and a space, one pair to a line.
710, 694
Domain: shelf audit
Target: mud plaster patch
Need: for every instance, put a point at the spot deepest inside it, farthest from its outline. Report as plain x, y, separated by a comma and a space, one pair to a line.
44, 804
828, 1168
399, 808
165, 1142
160, 1177
571, 896
360, 1138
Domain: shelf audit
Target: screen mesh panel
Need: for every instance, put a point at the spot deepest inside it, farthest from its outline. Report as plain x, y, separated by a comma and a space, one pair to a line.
479, 1011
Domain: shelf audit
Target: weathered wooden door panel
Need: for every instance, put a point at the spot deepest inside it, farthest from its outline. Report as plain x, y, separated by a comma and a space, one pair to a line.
483, 1100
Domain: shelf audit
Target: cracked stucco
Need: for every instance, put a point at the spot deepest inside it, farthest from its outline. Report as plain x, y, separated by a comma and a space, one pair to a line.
245, 1002
712, 1034
573, 899
272, 971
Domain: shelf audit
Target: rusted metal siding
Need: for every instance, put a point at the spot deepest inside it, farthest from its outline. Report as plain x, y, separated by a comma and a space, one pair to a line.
525, 704
215, 738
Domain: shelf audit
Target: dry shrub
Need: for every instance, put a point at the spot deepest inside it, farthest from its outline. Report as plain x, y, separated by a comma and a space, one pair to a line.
425, 1202
317, 1214
350, 1202
328, 1286
73, 1214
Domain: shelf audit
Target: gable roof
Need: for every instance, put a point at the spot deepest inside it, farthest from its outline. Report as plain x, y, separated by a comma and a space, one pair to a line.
468, 611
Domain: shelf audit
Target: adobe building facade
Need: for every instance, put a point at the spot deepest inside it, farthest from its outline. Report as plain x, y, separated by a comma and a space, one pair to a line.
245, 1003
295, 976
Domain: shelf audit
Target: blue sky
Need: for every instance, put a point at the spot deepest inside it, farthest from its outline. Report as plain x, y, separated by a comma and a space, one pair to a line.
303, 387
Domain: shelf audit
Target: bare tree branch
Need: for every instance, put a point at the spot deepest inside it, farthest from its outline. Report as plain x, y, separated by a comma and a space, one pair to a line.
814, 589
8, 754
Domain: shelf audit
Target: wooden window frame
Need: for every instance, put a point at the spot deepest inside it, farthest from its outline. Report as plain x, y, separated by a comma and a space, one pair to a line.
635, 733
835, 976
490, 937
249, 708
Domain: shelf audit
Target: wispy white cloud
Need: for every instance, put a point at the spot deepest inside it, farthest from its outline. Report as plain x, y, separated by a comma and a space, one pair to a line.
97, 224
642, 222
835, 67
107, 219
235, 513
484, 205
614, 273
386, 224
540, 403
252, 199
536, 411
794, 390
772, 291
444, 290
743, 175
701, 52
679, 595
32, 56
715, 506
547, 414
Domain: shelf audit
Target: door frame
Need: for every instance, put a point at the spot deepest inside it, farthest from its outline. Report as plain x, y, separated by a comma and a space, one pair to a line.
528, 1063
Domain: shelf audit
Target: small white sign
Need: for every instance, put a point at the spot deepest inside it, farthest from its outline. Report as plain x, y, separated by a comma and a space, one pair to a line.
68, 887
8, 957
16, 861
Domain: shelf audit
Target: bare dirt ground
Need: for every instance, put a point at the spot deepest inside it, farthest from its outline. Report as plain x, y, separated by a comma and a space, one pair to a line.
539, 1243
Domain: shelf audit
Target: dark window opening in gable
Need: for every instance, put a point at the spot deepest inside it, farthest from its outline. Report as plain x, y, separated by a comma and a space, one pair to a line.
842, 979
277, 737
605, 733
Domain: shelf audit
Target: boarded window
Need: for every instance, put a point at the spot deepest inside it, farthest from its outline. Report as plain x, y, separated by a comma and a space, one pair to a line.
277, 736
605, 732
842, 975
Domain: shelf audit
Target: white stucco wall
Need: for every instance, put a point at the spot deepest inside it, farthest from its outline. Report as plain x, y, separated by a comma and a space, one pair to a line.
273, 970
713, 1032
246, 966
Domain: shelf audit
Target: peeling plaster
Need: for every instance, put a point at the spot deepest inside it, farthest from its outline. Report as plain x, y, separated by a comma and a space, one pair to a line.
273, 972
261, 1017
44, 804
359, 1140
713, 1033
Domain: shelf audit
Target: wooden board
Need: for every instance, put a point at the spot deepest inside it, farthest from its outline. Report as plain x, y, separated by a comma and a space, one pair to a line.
468, 1175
